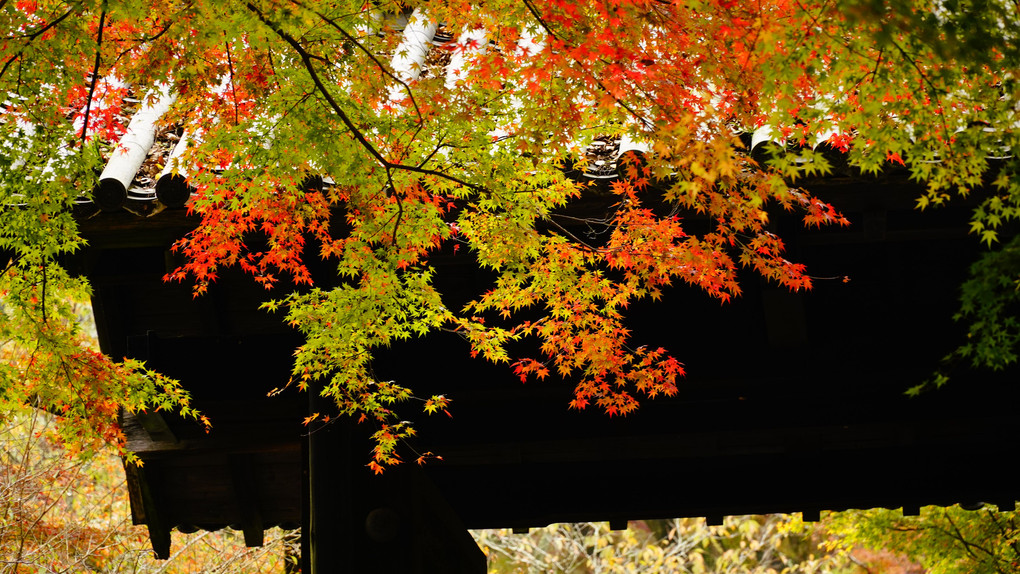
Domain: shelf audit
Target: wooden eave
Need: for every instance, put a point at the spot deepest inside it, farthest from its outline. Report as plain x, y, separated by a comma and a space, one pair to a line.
792, 402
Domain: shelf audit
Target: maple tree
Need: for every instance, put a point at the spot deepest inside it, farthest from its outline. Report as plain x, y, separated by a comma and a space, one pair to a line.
61, 513
979, 538
479, 146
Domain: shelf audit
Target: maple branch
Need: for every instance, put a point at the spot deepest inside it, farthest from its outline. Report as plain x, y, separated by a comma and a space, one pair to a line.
433, 153
272, 68
568, 233
1000, 527
31, 37
534, 12
95, 75
604, 221
931, 88
400, 206
42, 30
77, 389
43, 299
173, 19
968, 545
878, 63
306, 60
420, 123
382, 67
816, 21
8, 63
818, 24
994, 516
233, 84
396, 224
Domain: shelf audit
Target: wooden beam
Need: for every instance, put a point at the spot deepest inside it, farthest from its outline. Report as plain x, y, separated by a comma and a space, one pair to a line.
155, 425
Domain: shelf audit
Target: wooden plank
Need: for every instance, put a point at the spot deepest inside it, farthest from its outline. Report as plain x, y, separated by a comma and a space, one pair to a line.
156, 427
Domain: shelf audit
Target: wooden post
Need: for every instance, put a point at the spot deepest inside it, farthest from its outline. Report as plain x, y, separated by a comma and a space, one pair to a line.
151, 512
396, 522
334, 539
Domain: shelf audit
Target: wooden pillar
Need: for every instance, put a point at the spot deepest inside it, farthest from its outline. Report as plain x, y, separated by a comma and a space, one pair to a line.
149, 511
306, 509
397, 522
332, 540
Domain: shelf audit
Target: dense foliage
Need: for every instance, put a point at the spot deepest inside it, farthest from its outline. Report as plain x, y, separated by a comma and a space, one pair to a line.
469, 148
947, 540
940, 540
741, 544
